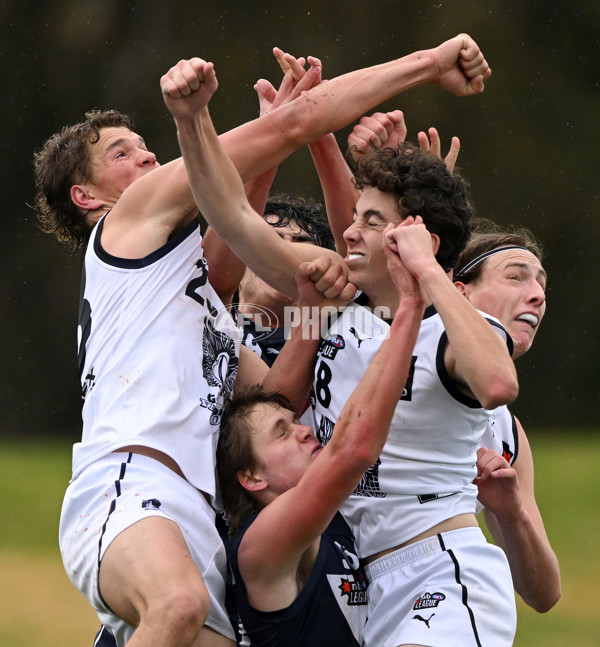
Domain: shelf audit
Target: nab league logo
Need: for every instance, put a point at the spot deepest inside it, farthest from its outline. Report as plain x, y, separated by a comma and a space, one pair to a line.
428, 601
355, 590
330, 347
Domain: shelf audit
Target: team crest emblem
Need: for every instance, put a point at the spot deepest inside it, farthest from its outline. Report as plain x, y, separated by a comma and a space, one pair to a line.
324, 431
369, 483
219, 361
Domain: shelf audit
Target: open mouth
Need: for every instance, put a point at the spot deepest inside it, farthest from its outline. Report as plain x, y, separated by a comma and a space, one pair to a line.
529, 318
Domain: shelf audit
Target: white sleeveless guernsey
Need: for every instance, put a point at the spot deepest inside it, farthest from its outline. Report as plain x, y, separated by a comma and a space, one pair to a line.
157, 355
424, 474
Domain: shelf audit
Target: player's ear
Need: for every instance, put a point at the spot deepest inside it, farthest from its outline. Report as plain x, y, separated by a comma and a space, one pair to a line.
81, 197
464, 289
461, 287
251, 481
435, 243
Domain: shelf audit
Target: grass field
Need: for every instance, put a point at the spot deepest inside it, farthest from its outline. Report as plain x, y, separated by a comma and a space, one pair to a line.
40, 608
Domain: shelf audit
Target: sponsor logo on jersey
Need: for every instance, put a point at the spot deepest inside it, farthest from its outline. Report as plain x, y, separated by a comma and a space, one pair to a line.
422, 619
355, 590
151, 504
358, 338
428, 601
329, 348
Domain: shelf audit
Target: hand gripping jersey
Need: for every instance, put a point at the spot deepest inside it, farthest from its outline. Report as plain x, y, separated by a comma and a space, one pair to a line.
330, 610
424, 474
501, 434
158, 354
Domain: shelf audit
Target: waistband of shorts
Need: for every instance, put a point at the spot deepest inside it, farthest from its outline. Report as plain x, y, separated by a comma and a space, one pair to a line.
116, 458
423, 549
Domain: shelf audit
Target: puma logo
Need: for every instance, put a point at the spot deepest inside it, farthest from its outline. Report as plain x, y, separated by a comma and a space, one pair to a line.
358, 339
425, 620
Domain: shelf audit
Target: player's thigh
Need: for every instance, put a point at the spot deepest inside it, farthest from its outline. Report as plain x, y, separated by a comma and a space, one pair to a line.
144, 565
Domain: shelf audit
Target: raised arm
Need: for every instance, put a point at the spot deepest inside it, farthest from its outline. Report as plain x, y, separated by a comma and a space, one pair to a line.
292, 371
456, 65
217, 187
226, 270
296, 518
512, 516
476, 356
158, 203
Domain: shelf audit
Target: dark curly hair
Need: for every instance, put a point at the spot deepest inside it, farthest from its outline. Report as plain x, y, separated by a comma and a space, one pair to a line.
306, 213
64, 160
234, 451
423, 186
488, 236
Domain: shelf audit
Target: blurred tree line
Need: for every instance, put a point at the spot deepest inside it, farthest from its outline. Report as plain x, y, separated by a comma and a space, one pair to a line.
528, 148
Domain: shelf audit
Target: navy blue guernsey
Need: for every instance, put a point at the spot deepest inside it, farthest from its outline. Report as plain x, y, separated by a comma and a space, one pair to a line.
330, 610
265, 342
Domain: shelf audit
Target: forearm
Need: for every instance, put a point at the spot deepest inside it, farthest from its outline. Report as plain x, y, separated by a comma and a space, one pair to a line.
533, 564
257, 190
338, 189
293, 369
226, 270
478, 356
219, 194
262, 144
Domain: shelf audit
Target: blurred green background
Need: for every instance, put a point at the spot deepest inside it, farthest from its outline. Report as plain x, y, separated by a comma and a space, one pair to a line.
529, 147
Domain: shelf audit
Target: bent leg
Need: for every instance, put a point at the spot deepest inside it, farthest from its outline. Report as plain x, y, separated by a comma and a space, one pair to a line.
149, 579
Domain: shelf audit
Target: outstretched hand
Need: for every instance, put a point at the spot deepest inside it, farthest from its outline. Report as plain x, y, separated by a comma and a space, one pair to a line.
188, 87
461, 66
296, 80
432, 144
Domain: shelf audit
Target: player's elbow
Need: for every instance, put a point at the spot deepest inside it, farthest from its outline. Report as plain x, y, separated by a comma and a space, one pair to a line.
356, 447
500, 390
545, 600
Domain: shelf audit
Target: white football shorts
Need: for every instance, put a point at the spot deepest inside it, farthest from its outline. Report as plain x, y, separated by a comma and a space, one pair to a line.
117, 491
450, 590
